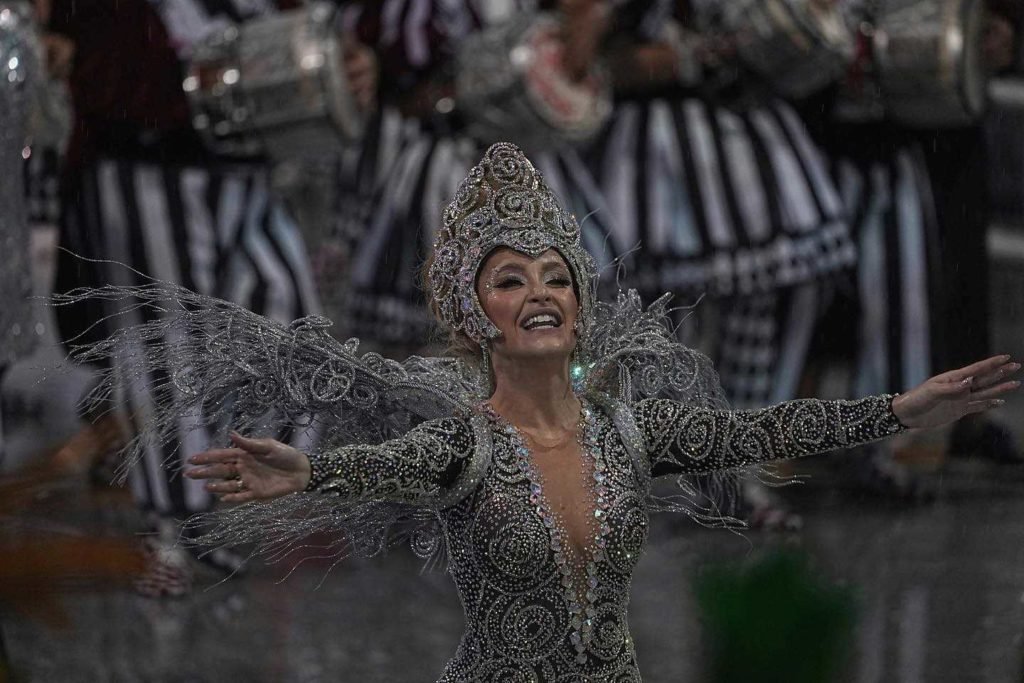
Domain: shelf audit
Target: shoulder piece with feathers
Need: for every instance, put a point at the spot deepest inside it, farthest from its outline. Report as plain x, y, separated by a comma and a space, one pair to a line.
223, 367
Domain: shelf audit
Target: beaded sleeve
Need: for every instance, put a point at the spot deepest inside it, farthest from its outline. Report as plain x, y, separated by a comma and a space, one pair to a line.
423, 467
682, 439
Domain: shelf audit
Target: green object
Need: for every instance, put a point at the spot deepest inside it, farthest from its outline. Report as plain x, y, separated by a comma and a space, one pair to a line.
774, 620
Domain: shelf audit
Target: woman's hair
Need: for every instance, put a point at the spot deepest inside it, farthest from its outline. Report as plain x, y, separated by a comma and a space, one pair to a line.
459, 343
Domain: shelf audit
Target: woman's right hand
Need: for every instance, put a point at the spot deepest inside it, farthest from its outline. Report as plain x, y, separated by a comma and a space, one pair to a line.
254, 469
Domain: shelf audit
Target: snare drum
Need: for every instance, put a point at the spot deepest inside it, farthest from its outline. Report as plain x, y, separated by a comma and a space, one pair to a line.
797, 46
511, 84
928, 61
274, 85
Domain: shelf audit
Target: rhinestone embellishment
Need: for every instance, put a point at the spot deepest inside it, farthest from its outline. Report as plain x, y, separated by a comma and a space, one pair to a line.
580, 592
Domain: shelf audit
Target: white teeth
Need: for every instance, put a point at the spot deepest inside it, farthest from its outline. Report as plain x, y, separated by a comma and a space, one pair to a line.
542, 320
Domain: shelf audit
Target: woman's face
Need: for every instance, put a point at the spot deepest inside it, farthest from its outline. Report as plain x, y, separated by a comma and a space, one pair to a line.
531, 300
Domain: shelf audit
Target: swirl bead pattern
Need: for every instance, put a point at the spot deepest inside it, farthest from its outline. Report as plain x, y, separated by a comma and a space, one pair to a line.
531, 614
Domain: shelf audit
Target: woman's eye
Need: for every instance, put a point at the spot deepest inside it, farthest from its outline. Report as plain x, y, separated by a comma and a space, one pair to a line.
507, 283
560, 281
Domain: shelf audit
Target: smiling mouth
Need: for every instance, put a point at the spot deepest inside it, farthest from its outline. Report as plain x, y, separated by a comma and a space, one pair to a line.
542, 321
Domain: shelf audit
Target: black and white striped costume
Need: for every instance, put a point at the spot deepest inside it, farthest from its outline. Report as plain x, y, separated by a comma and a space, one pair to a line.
730, 200
42, 185
426, 159
892, 308
212, 225
723, 201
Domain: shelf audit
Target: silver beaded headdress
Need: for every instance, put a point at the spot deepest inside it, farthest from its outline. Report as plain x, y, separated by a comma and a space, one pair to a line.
503, 202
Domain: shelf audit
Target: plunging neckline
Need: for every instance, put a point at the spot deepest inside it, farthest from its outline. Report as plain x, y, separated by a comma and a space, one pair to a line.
571, 488
579, 579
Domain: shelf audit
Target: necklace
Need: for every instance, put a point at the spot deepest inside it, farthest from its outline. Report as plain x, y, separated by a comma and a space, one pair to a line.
581, 599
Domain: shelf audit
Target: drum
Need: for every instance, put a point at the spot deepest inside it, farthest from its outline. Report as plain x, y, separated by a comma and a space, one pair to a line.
511, 85
797, 46
928, 61
274, 85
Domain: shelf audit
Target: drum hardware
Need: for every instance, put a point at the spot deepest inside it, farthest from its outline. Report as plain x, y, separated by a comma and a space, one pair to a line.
274, 85
919, 63
1007, 93
797, 46
511, 84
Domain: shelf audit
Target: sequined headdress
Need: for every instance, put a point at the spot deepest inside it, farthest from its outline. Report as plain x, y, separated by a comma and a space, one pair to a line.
503, 202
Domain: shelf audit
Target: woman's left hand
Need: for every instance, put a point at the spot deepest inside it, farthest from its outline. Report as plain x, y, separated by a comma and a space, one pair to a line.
951, 395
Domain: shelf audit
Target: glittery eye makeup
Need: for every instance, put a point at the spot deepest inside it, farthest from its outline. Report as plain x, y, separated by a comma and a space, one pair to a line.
561, 279
507, 282
504, 277
510, 276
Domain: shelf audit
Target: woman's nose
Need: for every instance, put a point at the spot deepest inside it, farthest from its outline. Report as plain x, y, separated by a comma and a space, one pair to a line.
539, 292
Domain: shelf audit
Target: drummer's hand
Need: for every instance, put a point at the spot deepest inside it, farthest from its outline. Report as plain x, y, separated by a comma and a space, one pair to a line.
255, 469
60, 55
951, 395
584, 23
360, 64
716, 49
997, 43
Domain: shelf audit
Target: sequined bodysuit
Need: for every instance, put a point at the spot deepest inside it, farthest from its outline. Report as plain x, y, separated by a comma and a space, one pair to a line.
527, 618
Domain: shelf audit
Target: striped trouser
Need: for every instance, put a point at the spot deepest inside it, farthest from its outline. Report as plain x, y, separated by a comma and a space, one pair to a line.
737, 204
764, 340
893, 213
762, 344
718, 201
217, 231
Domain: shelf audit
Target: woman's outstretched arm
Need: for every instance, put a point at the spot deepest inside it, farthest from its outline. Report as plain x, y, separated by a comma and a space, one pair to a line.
419, 467
685, 439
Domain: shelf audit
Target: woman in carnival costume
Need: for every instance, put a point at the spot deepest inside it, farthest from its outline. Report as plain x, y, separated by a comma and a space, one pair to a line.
527, 458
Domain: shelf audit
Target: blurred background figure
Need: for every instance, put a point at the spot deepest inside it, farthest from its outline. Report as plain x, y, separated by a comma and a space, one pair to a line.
715, 179
439, 110
144, 197
327, 189
21, 57
961, 165
912, 171
40, 565
32, 404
